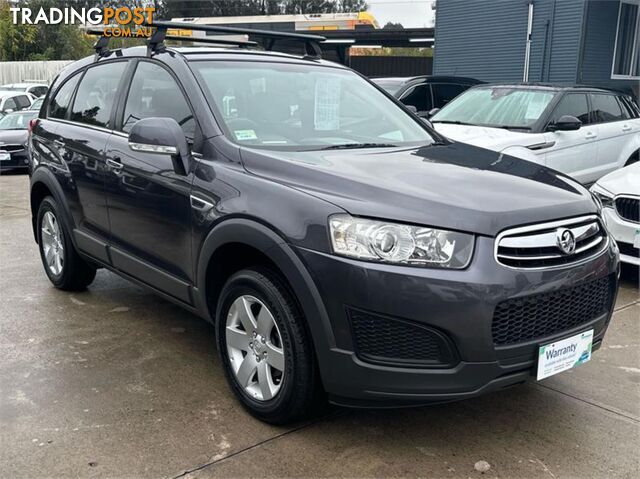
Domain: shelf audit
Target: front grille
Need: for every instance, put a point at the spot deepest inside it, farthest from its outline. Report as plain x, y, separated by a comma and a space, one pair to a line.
628, 249
531, 317
628, 208
393, 341
538, 246
12, 148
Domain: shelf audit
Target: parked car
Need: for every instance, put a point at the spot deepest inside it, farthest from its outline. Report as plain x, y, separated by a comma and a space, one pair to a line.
340, 246
14, 101
37, 103
581, 131
424, 93
38, 90
13, 140
619, 193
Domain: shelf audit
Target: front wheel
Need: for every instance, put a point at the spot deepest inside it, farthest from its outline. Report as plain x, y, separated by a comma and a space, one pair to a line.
265, 348
64, 267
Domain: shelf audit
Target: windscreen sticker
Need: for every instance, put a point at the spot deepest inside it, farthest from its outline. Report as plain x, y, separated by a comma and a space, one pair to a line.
326, 112
245, 135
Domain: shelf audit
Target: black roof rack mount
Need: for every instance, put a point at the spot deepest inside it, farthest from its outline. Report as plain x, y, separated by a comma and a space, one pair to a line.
161, 33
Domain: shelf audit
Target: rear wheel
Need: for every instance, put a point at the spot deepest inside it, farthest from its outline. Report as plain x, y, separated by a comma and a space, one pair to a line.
265, 348
64, 267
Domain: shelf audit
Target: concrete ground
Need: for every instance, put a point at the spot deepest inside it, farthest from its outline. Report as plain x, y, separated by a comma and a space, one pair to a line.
116, 382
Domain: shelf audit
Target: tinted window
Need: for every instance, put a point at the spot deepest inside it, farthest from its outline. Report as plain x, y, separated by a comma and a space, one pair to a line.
626, 109
60, 102
96, 94
574, 104
443, 93
39, 90
606, 108
420, 97
154, 93
23, 102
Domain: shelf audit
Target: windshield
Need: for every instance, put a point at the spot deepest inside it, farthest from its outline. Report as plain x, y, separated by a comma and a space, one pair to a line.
17, 121
304, 107
501, 107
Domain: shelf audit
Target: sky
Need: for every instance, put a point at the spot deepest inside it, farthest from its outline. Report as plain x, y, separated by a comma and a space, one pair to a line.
410, 13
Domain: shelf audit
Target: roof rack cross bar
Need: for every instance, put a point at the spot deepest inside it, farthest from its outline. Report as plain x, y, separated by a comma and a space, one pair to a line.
311, 42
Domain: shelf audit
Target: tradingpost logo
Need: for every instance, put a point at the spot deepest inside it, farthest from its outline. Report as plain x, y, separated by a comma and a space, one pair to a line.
116, 22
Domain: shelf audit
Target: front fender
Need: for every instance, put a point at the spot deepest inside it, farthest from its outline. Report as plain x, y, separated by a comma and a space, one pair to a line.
269, 243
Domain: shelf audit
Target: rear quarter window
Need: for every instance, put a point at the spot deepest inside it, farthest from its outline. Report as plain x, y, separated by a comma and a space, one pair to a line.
59, 104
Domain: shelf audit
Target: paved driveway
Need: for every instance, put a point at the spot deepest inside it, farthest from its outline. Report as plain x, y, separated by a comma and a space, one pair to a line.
116, 382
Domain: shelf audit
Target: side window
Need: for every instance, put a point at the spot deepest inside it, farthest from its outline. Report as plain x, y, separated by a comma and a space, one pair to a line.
10, 104
606, 108
23, 102
96, 94
627, 112
574, 104
60, 103
154, 93
443, 93
420, 97
39, 91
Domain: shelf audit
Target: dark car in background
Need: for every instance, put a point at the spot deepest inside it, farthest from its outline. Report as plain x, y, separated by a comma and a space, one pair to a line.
14, 133
425, 93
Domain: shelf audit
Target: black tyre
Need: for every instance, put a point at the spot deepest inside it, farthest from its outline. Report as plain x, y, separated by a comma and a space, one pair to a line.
64, 267
265, 348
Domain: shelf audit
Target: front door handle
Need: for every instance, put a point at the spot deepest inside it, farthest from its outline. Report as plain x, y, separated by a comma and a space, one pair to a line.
115, 164
626, 127
590, 135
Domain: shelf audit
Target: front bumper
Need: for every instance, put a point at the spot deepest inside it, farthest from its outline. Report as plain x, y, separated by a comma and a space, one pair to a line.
459, 304
624, 232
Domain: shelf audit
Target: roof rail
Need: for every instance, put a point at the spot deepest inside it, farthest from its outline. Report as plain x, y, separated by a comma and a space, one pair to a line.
311, 42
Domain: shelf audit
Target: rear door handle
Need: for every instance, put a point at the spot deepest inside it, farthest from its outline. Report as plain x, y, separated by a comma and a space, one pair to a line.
590, 135
115, 164
626, 127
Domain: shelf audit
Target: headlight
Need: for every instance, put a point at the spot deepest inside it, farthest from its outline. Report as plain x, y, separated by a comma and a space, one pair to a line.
400, 244
604, 197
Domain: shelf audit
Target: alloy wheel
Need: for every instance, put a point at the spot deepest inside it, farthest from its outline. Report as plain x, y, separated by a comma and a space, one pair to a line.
255, 348
52, 244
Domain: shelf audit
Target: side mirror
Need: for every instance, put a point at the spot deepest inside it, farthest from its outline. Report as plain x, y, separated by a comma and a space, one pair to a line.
412, 109
162, 136
9, 110
433, 111
565, 123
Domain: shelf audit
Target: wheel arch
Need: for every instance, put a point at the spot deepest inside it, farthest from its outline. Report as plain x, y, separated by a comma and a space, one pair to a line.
43, 184
245, 236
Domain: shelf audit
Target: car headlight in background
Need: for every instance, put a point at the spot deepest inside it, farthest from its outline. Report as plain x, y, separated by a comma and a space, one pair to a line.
398, 243
604, 197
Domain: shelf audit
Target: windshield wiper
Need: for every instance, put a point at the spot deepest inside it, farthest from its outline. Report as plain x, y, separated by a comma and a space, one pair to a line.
513, 127
349, 146
452, 122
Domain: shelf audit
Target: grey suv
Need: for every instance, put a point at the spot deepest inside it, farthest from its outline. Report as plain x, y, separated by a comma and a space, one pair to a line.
341, 248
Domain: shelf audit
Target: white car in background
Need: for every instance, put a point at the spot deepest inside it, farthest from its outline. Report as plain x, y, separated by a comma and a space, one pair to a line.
619, 193
38, 90
581, 131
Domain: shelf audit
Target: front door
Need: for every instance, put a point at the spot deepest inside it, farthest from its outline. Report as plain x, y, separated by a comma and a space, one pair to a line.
573, 152
149, 203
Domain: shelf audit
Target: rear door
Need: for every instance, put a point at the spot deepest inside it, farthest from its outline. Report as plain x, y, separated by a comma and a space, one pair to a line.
79, 140
149, 203
573, 152
617, 132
